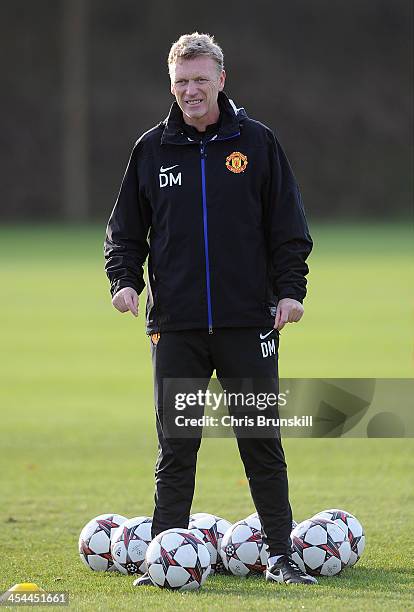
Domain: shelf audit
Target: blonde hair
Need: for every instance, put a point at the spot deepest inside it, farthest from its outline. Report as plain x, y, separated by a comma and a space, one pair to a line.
193, 45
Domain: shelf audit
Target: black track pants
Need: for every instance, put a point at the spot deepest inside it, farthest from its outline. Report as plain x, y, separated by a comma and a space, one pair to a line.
235, 354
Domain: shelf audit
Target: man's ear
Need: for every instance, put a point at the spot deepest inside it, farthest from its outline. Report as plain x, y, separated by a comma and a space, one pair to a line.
222, 80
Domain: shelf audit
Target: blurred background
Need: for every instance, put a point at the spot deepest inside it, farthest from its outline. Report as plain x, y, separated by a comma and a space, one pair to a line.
82, 79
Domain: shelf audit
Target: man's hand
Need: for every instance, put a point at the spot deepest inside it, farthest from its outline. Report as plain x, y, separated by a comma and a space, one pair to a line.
288, 311
126, 299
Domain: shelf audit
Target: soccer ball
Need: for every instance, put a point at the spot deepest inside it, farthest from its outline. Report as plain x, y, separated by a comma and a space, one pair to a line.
95, 541
255, 515
212, 529
352, 528
197, 515
129, 544
321, 547
177, 559
242, 548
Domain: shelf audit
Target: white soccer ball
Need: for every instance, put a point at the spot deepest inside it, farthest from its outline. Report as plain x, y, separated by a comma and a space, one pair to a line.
212, 530
177, 559
129, 544
197, 515
352, 528
255, 515
242, 548
95, 541
321, 547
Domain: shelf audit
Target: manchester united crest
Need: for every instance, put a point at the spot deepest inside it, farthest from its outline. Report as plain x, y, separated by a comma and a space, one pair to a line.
236, 162
155, 338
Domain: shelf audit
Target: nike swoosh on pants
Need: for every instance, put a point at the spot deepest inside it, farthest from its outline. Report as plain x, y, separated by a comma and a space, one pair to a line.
263, 336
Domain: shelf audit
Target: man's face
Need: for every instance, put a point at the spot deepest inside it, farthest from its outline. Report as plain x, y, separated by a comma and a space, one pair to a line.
195, 83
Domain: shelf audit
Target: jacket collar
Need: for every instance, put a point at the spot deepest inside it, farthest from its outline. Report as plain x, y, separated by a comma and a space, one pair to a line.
229, 125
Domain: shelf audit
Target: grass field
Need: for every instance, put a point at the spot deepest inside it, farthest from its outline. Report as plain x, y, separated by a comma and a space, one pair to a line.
77, 432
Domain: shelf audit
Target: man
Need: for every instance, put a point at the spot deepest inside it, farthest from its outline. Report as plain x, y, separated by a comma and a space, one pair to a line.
210, 195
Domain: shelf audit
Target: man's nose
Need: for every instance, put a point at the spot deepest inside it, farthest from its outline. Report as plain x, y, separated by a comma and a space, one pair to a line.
191, 88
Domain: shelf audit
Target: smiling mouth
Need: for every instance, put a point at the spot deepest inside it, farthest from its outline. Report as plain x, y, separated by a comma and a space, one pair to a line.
193, 102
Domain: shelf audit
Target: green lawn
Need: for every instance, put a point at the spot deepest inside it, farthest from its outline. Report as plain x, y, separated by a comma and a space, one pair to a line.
78, 434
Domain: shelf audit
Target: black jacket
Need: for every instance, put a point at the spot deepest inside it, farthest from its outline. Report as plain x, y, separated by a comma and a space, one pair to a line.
221, 217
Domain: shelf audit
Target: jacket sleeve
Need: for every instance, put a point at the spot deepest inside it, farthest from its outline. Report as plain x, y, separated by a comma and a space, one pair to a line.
126, 244
288, 238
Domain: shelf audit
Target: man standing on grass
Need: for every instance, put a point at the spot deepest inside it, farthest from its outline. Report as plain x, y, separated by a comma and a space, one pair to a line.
209, 194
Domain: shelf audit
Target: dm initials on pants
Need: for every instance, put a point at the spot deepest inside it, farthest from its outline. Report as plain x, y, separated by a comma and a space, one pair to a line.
268, 348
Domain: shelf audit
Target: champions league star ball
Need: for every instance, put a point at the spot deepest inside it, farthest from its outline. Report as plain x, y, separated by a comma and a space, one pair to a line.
95, 541
321, 547
352, 528
212, 529
242, 548
255, 515
129, 544
177, 559
197, 515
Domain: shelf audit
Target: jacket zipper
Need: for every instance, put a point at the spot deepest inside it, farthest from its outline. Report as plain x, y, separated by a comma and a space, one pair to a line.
205, 225
205, 229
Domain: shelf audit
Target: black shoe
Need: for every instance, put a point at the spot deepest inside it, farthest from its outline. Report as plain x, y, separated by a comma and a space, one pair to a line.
286, 570
220, 569
144, 580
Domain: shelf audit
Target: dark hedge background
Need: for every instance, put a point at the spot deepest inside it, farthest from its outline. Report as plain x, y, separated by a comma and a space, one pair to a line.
332, 78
